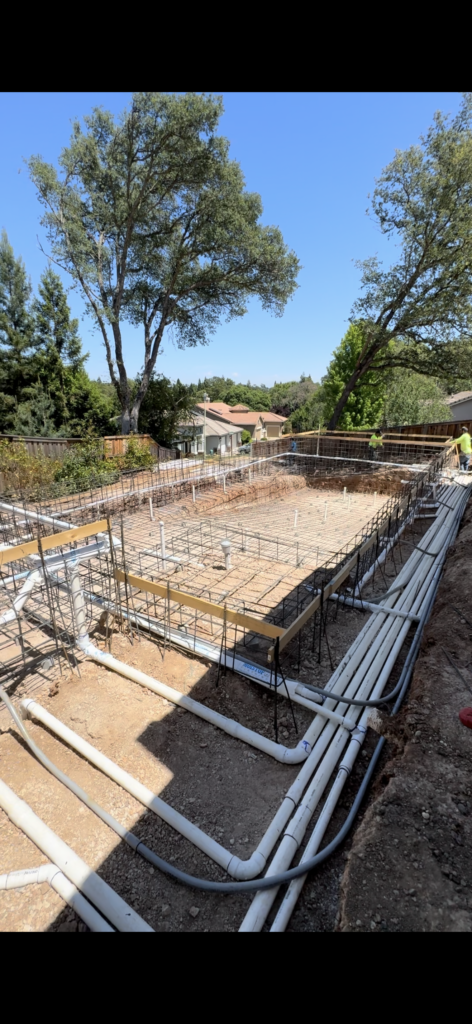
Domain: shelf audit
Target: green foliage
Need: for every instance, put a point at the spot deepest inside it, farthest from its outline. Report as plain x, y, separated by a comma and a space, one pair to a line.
422, 201
164, 405
84, 467
412, 398
308, 416
30, 475
137, 455
153, 221
223, 389
16, 330
34, 413
44, 388
364, 405
246, 437
287, 398
282, 399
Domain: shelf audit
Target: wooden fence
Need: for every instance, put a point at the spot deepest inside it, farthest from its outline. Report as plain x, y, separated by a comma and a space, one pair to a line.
446, 428
53, 447
117, 444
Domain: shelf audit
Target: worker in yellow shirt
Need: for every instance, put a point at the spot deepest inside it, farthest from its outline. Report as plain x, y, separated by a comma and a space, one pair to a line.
375, 444
464, 445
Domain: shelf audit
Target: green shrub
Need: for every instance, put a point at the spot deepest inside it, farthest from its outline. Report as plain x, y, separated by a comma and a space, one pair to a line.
81, 468
84, 466
21, 472
136, 456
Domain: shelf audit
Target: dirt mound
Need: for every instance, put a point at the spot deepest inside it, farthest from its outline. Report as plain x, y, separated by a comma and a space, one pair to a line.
383, 481
263, 488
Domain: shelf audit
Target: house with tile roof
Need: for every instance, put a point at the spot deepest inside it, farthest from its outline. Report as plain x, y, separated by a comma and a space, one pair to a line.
259, 424
221, 437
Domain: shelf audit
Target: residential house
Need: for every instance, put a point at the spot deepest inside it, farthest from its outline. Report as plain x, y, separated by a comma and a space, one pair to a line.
460, 405
259, 424
222, 438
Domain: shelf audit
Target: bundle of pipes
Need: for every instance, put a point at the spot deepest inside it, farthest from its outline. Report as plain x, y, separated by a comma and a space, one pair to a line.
360, 679
361, 676
72, 878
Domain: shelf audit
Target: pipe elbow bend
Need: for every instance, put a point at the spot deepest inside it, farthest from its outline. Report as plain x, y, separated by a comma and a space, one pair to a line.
243, 870
294, 755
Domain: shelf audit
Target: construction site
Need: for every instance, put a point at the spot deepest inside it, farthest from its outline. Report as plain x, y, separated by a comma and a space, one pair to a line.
204, 667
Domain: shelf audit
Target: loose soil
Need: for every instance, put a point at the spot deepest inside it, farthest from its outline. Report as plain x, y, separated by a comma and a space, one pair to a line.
404, 868
410, 867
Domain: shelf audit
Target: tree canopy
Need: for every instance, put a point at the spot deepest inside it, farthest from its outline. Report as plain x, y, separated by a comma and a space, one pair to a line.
365, 403
422, 201
44, 388
413, 398
153, 221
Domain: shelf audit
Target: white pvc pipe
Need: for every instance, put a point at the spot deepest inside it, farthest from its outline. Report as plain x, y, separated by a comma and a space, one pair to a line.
294, 889
57, 880
288, 755
39, 517
22, 596
78, 601
280, 753
375, 608
296, 885
294, 833
73, 867
386, 551
79, 598
163, 541
379, 686
233, 865
226, 546
370, 572
296, 691
131, 785
172, 558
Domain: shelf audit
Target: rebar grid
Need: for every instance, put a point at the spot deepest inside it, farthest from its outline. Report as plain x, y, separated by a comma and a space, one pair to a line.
271, 578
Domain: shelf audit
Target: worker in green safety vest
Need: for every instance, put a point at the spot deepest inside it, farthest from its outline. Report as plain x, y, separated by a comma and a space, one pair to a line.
375, 444
464, 444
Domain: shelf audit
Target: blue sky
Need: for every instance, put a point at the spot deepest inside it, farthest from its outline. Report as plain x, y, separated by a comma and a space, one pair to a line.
313, 157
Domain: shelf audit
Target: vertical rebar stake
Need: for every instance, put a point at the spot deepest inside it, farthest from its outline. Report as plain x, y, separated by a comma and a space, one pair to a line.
126, 581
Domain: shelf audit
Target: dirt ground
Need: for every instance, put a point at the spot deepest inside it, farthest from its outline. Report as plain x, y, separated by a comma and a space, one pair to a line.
404, 868
383, 481
410, 868
228, 789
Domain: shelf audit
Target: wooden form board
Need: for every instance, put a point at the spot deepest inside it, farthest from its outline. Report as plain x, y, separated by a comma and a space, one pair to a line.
387, 440
363, 434
54, 540
189, 601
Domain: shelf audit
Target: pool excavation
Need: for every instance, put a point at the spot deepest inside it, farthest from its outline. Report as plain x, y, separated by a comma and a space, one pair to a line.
226, 631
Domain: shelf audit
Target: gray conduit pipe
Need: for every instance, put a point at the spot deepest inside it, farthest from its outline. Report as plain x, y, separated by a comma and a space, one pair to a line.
283, 877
